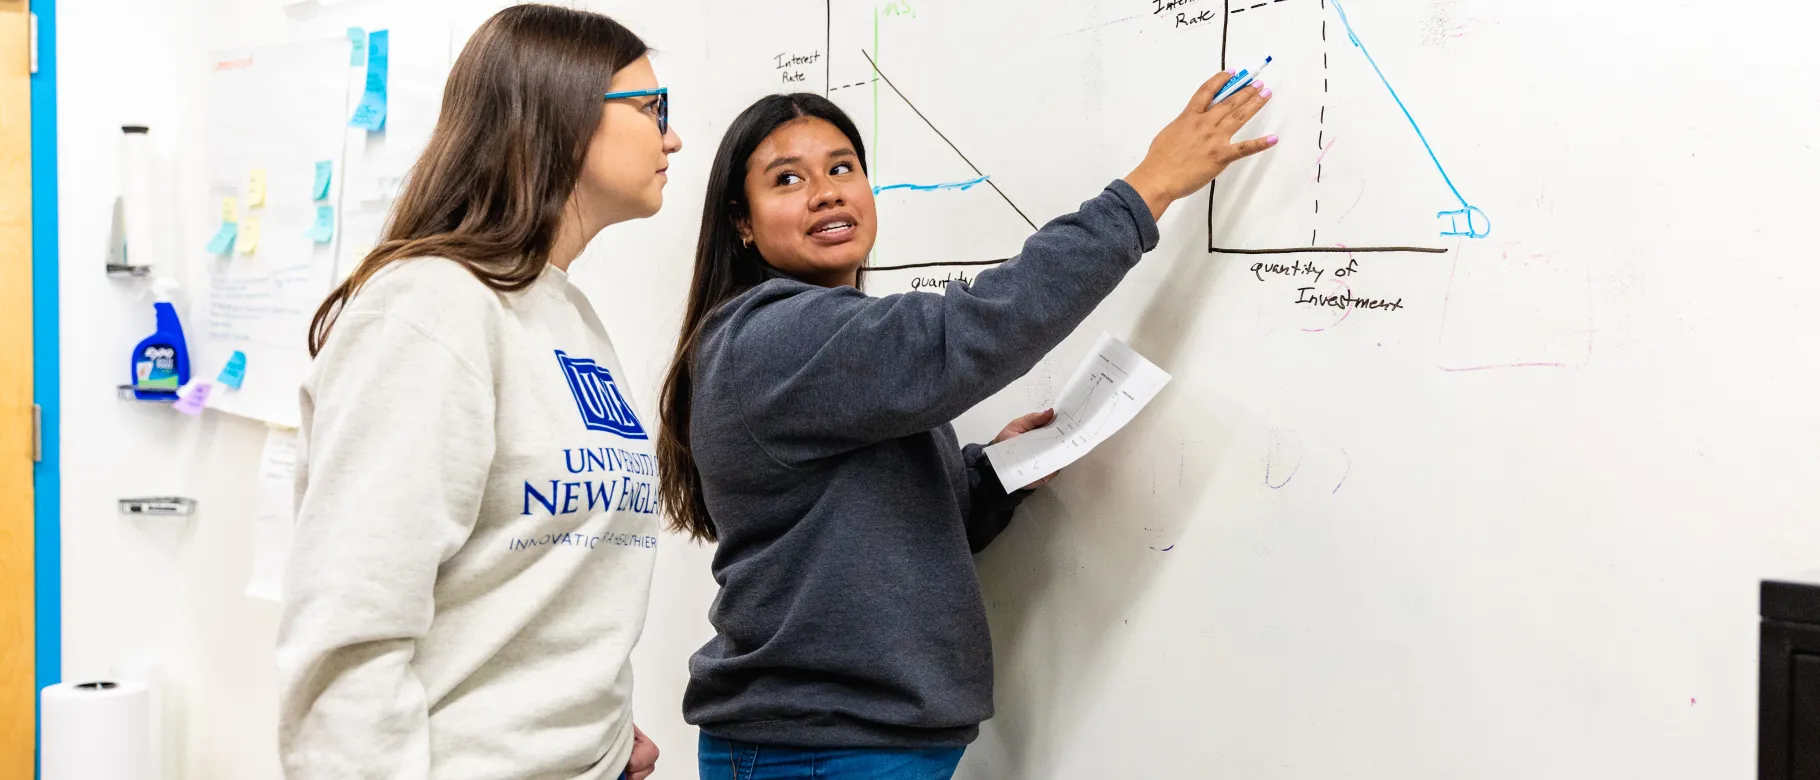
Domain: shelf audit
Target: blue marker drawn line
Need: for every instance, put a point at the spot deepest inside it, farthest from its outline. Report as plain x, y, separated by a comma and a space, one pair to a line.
953, 185
1466, 210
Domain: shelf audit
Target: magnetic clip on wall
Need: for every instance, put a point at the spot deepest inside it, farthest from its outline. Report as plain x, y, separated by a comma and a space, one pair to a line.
159, 506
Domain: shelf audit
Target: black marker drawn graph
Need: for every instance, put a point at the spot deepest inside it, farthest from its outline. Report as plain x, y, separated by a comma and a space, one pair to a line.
963, 156
878, 75
1470, 214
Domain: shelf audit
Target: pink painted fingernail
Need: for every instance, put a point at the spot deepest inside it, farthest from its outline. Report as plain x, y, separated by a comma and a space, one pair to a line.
1265, 93
1272, 140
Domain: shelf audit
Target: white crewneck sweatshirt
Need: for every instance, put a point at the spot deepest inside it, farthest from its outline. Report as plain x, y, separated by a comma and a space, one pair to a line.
476, 526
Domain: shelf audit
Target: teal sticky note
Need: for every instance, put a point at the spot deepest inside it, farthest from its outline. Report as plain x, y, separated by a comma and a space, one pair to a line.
370, 115
223, 242
234, 373
324, 230
325, 171
359, 37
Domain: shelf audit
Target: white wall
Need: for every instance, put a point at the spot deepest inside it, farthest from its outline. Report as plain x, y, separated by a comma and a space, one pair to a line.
170, 592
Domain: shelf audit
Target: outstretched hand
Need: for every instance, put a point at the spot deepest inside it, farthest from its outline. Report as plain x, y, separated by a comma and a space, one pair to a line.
1197, 145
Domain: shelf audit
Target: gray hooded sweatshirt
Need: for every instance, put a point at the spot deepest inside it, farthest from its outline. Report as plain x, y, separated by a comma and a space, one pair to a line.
849, 613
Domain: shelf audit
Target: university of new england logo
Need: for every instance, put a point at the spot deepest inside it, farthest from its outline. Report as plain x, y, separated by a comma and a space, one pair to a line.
602, 407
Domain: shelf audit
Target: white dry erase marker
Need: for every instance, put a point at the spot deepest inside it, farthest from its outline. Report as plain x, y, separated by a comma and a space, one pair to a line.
1241, 80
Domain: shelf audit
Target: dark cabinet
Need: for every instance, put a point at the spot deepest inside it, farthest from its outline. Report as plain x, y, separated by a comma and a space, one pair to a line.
1788, 700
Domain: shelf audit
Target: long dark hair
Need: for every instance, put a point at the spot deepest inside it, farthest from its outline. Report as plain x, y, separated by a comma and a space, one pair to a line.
724, 268
518, 111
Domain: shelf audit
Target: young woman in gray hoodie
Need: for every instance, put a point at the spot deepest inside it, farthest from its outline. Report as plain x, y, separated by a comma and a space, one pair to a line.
806, 429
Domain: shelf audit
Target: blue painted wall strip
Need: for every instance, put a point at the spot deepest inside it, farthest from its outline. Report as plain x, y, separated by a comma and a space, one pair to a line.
47, 365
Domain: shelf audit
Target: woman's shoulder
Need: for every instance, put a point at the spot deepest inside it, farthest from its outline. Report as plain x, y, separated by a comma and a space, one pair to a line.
780, 319
435, 298
431, 287
781, 302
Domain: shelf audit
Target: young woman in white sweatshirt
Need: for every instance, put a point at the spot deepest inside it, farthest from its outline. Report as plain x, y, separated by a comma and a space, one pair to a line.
477, 510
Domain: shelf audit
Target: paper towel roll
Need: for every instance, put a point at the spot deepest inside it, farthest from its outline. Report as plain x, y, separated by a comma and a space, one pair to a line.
150, 671
97, 731
136, 196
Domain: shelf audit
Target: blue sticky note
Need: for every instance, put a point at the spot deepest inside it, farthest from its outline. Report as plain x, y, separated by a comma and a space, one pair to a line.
359, 38
223, 242
324, 230
370, 115
234, 373
325, 171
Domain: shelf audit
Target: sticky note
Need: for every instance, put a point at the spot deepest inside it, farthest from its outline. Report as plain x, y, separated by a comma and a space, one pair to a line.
255, 188
359, 37
324, 230
230, 209
325, 171
223, 242
234, 373
247, 242
193, 399
370, 115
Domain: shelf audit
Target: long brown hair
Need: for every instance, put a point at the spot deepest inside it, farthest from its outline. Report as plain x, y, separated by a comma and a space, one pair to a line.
724, 268
518, 111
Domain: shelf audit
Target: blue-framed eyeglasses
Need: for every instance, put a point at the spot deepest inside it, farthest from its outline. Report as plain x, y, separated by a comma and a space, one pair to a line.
663, 104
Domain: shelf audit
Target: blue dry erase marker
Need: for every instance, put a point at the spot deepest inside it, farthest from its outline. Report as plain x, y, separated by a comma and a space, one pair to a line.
1241, 80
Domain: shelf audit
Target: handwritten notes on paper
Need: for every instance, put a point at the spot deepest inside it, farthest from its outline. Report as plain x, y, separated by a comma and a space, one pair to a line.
370, 114
284, 110
275, 505
1105, 393
260, 305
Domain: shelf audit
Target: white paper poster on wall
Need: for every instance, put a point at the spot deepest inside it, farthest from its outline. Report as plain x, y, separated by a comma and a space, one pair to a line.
275, 502
275, 114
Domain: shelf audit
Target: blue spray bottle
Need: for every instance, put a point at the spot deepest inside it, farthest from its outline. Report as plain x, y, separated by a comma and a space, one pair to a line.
161, 363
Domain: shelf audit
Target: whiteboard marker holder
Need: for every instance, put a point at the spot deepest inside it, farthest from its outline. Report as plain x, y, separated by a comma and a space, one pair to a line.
158, 506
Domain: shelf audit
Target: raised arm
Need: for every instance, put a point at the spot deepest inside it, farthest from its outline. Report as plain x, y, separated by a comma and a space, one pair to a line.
828, 370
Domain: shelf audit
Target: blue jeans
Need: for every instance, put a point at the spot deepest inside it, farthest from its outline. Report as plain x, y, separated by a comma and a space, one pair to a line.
723, 759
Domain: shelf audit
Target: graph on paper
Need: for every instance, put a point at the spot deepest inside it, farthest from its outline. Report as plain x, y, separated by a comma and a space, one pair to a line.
1107, 391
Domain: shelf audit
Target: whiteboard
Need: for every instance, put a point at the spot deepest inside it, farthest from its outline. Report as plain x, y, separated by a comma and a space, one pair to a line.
1510, 528
278, 111
1493, 502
